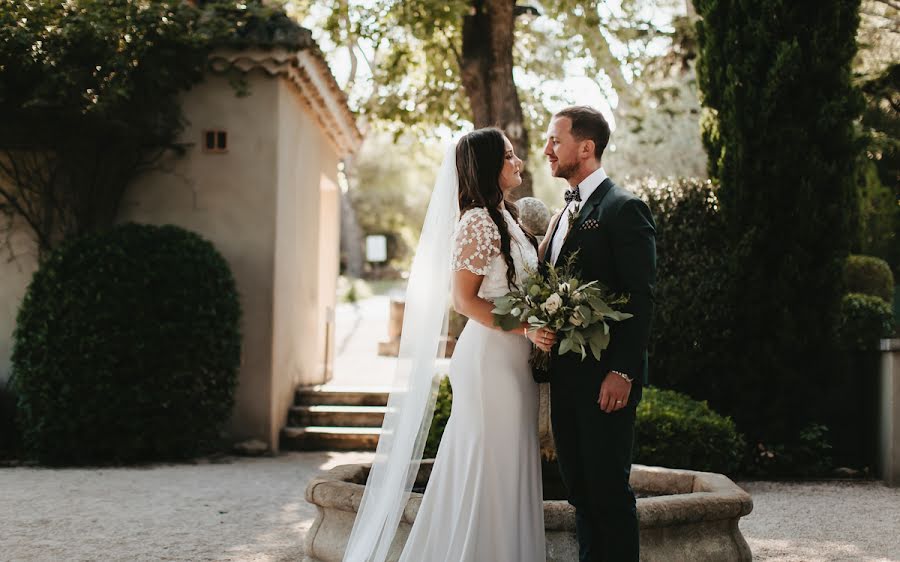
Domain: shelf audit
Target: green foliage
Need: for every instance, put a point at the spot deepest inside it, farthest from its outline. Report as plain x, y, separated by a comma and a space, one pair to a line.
675, 431
390, 188
92, 81
692, 275
9, 431
809, 454
870, 276
878, 215
416, 49
352, 290
671, 430
441, 415
127, 347
865, 319
877, 73
776, 81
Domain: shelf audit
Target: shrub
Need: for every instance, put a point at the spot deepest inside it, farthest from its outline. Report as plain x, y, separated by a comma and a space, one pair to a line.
675, 431
779, 74
809, 455
441, 415
689, 342
127, 347
672, 430
9, 433
864, 320
870, 276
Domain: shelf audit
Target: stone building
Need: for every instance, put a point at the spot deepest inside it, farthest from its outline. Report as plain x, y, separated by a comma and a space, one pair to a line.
260, 181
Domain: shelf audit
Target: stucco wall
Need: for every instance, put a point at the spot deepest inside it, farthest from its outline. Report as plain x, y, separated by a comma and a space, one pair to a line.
229, 199
270, 204
304, 240
16, 269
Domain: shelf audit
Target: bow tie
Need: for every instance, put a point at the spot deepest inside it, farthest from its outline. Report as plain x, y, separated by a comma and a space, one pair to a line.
573, 195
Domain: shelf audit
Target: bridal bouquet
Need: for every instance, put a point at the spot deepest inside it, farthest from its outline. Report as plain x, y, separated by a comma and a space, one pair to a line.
557, 300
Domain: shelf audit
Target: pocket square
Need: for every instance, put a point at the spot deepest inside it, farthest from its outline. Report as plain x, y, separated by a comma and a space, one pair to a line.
590, 224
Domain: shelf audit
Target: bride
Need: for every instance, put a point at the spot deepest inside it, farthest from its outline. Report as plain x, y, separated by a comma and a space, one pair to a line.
483, 501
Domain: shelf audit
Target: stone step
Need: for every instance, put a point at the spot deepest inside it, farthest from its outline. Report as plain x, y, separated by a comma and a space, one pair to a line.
338, 416
319, 438
341, 396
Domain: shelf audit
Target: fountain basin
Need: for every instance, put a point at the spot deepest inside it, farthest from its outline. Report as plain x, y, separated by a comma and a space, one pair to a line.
688, 515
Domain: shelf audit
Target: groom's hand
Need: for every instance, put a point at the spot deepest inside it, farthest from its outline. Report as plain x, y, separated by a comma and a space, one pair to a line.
614, 391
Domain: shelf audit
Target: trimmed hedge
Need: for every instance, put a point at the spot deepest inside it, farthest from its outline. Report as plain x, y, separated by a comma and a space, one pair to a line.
865, 319
691, 339
127, 347
672, 430
870, 276
675, 431
9, 432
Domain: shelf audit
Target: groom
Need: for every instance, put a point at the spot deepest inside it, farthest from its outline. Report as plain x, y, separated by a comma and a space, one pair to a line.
593, 402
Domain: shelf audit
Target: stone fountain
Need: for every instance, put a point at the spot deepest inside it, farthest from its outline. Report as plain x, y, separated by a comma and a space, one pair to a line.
686, 515
683, 514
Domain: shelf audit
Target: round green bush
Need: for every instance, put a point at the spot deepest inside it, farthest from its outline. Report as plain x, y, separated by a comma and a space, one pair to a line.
870, 276
126, 348
675, 431
865, 319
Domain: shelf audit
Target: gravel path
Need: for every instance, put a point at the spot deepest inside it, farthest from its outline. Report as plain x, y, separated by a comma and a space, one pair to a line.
823, 521
237, 510
253, 510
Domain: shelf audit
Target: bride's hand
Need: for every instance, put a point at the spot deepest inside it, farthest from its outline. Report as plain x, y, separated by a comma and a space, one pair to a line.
542, 337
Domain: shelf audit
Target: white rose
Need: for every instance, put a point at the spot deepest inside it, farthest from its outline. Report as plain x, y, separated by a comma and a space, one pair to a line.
553, 303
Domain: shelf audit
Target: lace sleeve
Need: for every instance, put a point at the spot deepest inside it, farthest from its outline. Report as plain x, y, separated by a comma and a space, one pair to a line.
475, 242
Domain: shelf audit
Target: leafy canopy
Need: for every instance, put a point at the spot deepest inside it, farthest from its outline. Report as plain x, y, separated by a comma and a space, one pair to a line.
411, 50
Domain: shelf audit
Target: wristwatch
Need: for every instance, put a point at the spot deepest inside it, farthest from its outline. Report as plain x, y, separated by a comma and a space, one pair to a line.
623, 375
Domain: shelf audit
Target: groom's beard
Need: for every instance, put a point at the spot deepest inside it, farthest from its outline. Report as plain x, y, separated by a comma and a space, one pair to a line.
566, 172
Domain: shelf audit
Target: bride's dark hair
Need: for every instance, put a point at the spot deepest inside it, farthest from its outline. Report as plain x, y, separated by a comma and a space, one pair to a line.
479, 161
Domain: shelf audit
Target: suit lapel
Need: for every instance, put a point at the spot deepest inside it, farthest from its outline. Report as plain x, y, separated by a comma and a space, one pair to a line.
592, 203
548, 250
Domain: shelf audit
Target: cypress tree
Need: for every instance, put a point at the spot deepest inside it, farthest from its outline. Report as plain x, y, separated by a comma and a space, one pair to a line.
778, 127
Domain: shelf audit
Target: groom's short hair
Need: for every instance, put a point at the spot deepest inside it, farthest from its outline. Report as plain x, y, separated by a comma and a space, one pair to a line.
588, 123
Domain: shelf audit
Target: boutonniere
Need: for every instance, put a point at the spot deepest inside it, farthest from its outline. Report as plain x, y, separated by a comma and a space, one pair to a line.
573, 215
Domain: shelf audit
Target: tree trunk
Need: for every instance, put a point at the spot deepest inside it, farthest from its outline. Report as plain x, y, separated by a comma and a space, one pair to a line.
486, 69
352, 258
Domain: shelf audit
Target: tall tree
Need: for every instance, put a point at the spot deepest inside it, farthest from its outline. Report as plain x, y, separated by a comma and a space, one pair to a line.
486, 72
878, 73
444, 63
779, 131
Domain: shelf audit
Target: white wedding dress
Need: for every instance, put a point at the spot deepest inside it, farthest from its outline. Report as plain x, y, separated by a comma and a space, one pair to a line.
483, 502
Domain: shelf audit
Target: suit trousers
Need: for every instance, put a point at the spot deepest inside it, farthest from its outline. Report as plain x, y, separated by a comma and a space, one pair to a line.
594, 452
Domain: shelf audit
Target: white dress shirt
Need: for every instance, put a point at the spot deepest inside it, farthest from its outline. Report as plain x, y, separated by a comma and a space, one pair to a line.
585, 189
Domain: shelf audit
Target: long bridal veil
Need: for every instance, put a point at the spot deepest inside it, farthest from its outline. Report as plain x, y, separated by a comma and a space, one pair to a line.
414, 390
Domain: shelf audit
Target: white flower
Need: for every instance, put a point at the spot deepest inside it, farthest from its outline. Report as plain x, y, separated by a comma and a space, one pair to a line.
576, 319
563, 287
552, 304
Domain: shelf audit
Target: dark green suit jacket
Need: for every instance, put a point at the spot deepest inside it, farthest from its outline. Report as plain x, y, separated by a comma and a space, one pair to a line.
615, 237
